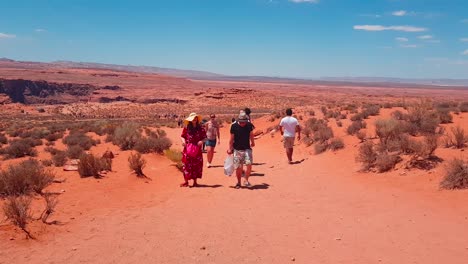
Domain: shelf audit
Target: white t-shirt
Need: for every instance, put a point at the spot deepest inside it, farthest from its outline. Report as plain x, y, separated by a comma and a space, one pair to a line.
289, 124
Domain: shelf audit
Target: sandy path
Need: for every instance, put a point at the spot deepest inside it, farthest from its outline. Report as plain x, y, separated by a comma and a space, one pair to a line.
319, 211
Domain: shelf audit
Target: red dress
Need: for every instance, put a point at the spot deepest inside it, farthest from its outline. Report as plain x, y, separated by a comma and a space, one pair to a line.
193, 166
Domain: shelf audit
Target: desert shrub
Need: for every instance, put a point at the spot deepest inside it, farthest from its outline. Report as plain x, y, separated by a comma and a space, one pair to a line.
3, 139
175, 156
137, 163
152, 144
59, 158
25, 177
323, 134
324, 110
336, 144
339, 123
459, 137
357, 117
388, 105
444, 116
51, 150
361, 135
89, 166
17, 211
456, 176
387, 129
312, 113
320, 147
385, 162
47, 163
424, 118
398, 115
51, 202
126, 136
307, 141
54, 137
106, 164
367, 155
355, 127
430, 145
463, 107
74, 152
79, 138
20, 148
371, 110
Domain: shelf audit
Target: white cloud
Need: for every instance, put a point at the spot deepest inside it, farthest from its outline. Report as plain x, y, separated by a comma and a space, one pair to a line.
409, 46
425, 37
6, 36
305, 1
400, 13
402, 39
39, 30
465, 52
464, 39
394, 28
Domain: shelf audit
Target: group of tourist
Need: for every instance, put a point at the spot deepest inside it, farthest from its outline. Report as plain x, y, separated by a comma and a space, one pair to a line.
195, 135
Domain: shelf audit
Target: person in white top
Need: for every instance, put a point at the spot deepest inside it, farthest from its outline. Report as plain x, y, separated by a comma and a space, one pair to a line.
289, 126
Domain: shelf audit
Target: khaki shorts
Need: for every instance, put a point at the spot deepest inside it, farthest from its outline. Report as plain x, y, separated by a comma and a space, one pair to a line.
288, 142
242, 157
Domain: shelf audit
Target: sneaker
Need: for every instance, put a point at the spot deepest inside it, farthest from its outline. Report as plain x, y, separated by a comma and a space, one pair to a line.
247, 184
237, 186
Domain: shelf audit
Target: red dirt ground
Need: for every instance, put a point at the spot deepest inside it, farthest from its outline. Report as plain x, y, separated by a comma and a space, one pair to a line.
319, 211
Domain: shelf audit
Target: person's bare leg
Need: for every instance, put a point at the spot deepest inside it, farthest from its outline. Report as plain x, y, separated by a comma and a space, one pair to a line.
248, 170
289, 154
239, 174
210, 154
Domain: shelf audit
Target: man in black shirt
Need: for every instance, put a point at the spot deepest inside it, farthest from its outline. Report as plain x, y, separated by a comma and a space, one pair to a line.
240, 144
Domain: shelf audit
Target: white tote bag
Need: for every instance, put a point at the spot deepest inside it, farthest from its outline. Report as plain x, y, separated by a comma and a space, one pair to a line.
229, 165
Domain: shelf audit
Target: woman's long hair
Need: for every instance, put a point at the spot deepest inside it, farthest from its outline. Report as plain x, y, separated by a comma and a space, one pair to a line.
191, 128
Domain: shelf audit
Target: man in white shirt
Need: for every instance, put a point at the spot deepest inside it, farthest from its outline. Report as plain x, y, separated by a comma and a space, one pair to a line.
288, 128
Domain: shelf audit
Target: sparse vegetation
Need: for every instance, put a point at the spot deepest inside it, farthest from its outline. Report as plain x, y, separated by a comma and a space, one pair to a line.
17, 211
456, 176
459, 137
127, 136
137, 163
175, 156
25, 177
89, 166
367, 155
336, 144
78, 138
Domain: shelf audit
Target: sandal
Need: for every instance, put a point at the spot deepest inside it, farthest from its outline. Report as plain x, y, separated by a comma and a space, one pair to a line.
237, 186
185, 184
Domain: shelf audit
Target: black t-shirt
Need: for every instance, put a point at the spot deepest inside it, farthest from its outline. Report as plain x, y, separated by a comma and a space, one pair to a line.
241, 135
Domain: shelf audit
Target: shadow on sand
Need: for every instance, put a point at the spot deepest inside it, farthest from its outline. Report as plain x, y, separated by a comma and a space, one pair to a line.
297, 162
207, 186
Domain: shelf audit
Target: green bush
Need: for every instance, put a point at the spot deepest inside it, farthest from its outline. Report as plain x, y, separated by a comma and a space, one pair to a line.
175, 156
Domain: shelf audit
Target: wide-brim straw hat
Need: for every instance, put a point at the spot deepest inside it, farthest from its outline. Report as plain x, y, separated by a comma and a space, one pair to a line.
191, 117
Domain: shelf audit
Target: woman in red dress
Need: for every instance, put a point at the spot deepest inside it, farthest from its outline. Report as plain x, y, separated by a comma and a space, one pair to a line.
193, 136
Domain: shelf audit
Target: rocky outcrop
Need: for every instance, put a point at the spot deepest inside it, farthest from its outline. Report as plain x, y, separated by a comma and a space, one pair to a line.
32, 92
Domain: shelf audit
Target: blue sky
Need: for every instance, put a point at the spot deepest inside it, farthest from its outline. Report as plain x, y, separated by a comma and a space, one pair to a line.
289, 38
